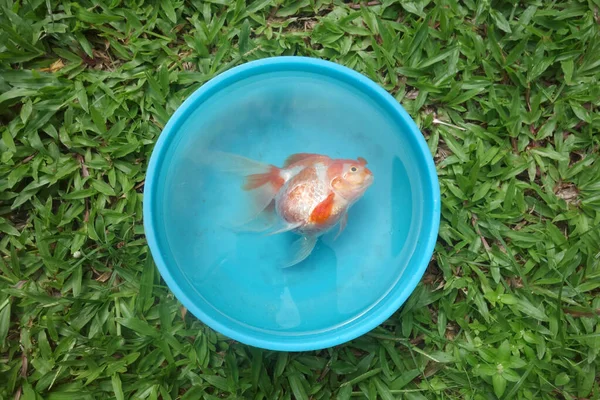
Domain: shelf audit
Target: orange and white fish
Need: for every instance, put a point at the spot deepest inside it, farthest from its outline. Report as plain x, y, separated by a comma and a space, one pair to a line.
309, 195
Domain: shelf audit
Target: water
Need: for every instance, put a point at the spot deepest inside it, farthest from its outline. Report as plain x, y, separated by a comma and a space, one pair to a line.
267, 118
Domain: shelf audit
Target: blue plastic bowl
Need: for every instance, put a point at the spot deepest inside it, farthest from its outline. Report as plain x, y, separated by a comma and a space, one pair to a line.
266, 110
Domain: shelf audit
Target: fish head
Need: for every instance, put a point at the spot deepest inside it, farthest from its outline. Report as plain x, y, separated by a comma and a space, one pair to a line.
352, 179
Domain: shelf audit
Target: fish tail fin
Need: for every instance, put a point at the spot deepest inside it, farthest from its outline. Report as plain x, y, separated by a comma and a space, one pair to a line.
233, 163
260, 221
256, 174
262, 180
273, 177
263, 188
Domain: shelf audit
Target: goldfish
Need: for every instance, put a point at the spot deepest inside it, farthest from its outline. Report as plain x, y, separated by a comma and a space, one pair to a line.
309, 195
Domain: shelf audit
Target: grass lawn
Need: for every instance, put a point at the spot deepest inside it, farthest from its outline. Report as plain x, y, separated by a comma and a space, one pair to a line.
507, 95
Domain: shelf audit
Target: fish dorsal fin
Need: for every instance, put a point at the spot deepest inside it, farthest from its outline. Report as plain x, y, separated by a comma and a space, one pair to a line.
294, 158
322, 211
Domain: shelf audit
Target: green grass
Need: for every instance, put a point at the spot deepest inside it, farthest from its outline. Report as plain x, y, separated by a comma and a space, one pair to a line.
510, 304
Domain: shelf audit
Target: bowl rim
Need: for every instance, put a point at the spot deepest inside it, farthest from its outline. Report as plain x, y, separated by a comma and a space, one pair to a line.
330, 338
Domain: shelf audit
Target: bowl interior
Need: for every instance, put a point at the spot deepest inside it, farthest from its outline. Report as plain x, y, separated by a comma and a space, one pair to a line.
266, 111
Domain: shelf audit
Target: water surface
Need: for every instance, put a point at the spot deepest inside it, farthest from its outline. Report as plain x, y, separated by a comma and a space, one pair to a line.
267, 118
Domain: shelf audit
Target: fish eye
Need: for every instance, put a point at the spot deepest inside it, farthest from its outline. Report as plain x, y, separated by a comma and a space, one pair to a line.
353, 169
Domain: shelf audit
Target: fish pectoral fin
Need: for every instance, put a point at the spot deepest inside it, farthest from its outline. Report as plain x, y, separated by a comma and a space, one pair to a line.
343, 223
300, 250
321, 213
